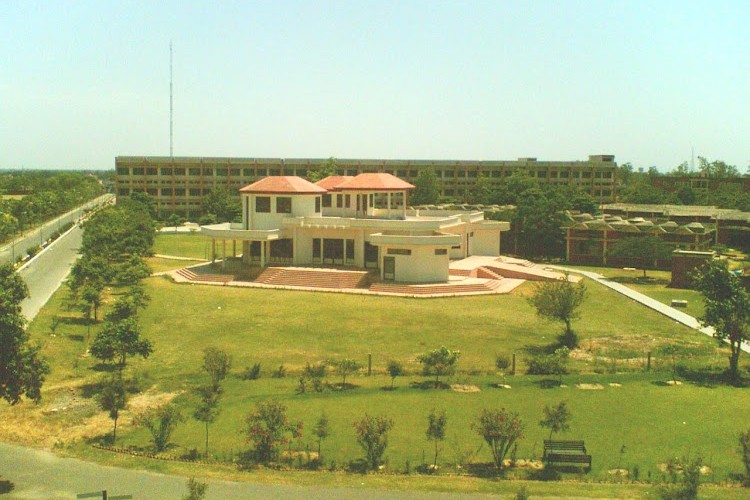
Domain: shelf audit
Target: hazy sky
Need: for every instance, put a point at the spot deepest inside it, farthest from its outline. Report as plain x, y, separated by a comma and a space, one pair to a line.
82, 82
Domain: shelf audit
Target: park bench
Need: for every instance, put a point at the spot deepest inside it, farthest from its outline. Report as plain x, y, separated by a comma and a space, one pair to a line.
566, 453
679, 303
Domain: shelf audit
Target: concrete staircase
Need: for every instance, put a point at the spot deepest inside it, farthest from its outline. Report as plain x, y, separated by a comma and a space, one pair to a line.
205, 278
313, 278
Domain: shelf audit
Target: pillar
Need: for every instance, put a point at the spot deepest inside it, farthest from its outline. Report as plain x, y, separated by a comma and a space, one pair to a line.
213, 250
388, 203
262, 254
223, 254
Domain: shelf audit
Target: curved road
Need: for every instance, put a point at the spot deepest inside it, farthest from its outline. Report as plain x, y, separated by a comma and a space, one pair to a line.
39, 474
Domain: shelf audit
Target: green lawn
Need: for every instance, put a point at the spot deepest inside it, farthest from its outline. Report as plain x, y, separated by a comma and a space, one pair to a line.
193, 245
655, 286
276, 327
158, 264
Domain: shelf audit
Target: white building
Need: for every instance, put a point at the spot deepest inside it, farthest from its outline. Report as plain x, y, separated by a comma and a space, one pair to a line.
361, 222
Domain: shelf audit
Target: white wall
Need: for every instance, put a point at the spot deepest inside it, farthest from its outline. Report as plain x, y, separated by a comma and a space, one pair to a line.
422, 266
485, 243
302, 206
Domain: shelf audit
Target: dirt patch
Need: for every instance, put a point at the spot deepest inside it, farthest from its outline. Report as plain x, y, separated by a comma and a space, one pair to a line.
522, 463
704, 469
465, 388
295, 455
590, 387
67, 417
618, 472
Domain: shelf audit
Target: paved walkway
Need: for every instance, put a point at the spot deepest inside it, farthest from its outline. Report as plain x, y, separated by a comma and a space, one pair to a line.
647, 301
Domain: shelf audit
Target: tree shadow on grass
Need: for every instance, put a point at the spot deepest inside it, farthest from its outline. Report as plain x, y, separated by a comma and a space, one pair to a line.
76, 337
104, 367
547, 383
68, 320
359, 466
541, 350
92, 389
343, 387
429, 384
709, 377
485, 470
6, 486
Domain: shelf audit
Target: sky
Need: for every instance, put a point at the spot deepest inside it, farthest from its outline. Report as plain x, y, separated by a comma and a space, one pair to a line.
648, 81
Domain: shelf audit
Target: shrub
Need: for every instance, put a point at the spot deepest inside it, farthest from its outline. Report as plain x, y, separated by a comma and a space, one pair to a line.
684, 480
549, 364
251, 373
372, 436
280, 372
160, 422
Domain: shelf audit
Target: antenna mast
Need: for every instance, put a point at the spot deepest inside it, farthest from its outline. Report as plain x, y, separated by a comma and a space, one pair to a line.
171, 124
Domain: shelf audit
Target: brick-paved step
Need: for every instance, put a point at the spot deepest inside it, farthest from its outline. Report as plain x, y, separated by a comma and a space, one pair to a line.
313, 278
211, 278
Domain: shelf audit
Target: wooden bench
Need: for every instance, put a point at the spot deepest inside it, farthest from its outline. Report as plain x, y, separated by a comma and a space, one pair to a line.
679, 303
566, 453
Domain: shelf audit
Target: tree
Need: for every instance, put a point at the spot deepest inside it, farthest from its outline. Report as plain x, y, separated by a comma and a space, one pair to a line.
328, 168
208, 408
219, 203
726, 309
482, 192
426, 188
439, 362
196, 490
22, 369
116, 341
436, 429
92, 299
321, 431
161, 423
646, 250
500, 429
518, 182
132, 271
684, 479
559, 300
717, 169
345, 367
539, 222
372, 436
394, 369
175, 221
217, 364
268, 427
113, 399
744, 440
584, 203
556, 418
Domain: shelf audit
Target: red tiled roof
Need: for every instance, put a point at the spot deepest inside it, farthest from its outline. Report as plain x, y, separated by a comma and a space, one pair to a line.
332, 181
374, 182
282, 184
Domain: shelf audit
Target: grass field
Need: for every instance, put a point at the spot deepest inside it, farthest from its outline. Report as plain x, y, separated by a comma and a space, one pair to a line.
276, 327
193, 245
655, 286
158, 264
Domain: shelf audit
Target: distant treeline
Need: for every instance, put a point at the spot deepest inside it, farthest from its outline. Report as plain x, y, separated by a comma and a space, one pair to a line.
31, 197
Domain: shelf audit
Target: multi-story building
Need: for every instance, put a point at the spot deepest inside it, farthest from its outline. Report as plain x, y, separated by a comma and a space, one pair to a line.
178, 183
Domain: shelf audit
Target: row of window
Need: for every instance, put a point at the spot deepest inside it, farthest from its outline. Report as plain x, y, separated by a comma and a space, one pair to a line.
283, 204
406, 251
302, 172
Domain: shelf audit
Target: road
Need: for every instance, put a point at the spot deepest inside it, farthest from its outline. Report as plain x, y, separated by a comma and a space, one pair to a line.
37, 474
36, 236
44, 274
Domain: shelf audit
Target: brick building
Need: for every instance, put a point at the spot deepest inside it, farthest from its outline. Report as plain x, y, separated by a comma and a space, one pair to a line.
179, 183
